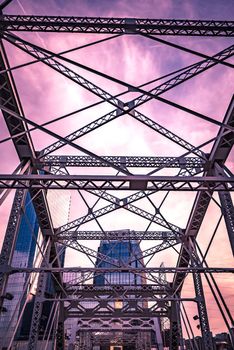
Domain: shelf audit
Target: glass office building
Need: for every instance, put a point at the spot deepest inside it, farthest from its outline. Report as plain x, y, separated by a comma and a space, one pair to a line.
24, 255
119, 253
113, 254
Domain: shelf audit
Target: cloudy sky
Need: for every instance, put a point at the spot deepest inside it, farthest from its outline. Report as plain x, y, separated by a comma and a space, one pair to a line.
46, 95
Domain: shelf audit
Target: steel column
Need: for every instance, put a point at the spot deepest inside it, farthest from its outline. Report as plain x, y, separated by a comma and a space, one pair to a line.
37, 309
175, 327
201, 304
228, 213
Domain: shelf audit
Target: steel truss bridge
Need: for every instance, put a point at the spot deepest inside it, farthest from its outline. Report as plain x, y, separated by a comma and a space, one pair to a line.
204, 174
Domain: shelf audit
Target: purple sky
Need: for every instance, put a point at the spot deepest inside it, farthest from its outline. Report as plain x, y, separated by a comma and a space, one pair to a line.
46, 95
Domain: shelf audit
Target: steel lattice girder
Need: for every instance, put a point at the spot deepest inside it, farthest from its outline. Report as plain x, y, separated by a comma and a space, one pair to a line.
137, 297
135, 162
187, 74
116, 25
12, 269
88, 290
133, 182
24, 148
118, 235
115, 324
136, 257
116, 313
23, 143
219, 153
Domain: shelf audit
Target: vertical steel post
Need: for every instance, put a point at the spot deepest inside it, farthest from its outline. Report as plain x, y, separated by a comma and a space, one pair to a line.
60, 345
228, 213
37, 309
175, 327
203, 316
201, 304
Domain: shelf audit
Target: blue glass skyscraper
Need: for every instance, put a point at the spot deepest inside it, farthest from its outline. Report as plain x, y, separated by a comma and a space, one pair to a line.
23, 256
25, 253
121, 253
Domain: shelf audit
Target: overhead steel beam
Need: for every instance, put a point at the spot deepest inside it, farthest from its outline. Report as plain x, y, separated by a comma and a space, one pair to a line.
115, 313
228, 213
126, 161
112, 207
102, 257
117, 235
114, 324
140, 297
130, 182
196, 69
116, 25
89, 290
13, 269
187, 74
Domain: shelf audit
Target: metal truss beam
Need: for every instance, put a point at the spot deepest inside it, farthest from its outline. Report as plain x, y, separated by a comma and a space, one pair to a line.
90, 290
117, 203
136, 257
137, 297
24, 147
116, 25
37, 52
23, 144
89, 313
37, 308
131, 182
196, 69
122, 161
9, 98
228, 213
110, 208
104, 306
113, 324
118, 235
203, 316
12, 269
219, 153
175, 327
146, 96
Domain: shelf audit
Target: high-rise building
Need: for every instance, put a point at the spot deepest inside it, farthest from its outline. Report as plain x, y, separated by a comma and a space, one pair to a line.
120, 253
26, 254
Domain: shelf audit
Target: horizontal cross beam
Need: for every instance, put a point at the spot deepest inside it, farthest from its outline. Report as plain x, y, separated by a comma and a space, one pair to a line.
106, 182
116, 25
138, 298
13, 269
120, 235
115, 313
121, 289
131, 161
